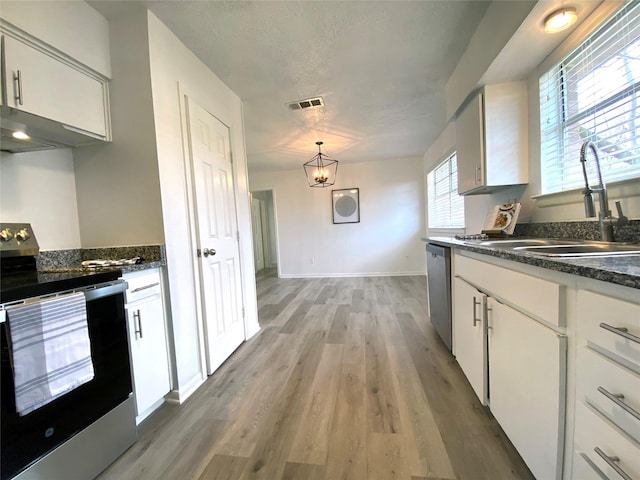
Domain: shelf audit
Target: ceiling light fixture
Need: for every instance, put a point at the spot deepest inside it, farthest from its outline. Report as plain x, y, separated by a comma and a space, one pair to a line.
321, 170
560, 20
20, 135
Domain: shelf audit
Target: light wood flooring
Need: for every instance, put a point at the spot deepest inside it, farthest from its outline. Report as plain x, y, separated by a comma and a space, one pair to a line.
346, 380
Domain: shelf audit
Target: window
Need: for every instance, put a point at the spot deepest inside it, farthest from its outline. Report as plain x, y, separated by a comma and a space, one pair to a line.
594, 94
446, 207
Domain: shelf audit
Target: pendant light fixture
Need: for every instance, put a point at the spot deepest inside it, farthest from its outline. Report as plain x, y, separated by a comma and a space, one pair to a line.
321, 170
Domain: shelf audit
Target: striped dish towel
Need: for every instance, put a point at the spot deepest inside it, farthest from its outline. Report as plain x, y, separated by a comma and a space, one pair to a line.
50, 349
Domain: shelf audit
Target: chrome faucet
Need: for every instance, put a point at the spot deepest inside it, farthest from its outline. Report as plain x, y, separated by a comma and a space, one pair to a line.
605, 218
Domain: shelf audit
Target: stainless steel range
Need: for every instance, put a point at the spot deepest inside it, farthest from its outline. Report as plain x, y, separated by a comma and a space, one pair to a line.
78, 428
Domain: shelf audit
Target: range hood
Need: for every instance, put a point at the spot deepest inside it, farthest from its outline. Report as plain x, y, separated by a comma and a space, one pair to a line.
44, 134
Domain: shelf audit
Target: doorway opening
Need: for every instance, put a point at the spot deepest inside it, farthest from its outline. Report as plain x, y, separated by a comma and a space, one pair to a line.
265, 238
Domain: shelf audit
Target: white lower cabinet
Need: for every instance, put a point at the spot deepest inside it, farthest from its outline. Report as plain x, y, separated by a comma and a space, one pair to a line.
605, 450
469, 335
607, 421
510, 344
527, 375
148, 341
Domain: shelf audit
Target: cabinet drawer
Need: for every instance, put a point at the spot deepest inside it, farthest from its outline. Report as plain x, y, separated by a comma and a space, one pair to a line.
535, 296
600, 380
142, 285
585, 469
601, 320
593, 431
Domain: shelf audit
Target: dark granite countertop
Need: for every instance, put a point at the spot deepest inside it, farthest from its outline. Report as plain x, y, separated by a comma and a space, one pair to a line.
123, 268
619, 269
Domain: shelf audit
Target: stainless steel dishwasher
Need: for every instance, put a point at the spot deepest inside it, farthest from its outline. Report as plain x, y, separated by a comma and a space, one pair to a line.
439, 287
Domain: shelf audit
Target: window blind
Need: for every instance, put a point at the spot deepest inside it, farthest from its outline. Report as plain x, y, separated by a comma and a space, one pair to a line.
594, 94
445, 206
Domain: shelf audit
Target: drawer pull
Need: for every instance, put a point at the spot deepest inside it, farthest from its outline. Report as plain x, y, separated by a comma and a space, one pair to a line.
139, 289
138, 317
475, 303
612, 462
622, 331
617, 399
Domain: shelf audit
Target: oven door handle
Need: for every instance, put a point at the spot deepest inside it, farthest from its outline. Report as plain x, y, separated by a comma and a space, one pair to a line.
91, 292
105, 290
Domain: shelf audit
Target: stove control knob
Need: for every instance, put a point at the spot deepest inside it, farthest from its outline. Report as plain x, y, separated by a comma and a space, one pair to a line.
6, 235
23, 235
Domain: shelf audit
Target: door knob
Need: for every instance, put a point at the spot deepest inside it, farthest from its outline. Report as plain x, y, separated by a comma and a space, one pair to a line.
206, 252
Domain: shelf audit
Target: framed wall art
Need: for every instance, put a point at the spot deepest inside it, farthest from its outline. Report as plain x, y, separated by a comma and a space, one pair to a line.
346, 205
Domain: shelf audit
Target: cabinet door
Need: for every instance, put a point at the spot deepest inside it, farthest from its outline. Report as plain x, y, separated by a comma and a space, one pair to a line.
470, 344
527, 377
470, 146
147, 334
42, 85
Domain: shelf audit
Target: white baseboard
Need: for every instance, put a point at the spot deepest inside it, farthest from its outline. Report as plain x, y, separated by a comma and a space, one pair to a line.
252, 330
179, 396
351, 275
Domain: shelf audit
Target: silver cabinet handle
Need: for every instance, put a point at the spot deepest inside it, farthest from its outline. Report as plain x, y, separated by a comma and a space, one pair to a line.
17, 80
475, 303
138, 317
613, 463
622, 331
617, 399
139, 289
486, 310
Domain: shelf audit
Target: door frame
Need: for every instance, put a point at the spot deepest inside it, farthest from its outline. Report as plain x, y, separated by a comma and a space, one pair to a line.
255, 226
183, 95
276, 234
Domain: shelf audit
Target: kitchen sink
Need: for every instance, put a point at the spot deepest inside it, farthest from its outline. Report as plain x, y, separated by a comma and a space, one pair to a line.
581, 250
557, 247
526, 242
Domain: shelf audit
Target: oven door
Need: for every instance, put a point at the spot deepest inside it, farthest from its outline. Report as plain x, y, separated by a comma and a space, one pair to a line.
25, 439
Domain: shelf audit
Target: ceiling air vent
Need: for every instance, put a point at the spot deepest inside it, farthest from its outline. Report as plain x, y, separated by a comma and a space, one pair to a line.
307, 103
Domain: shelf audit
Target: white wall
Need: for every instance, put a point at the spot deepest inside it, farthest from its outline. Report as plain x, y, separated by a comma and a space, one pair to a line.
40, 188
118, 183
174, 70
385, 242
495, 29
140, 183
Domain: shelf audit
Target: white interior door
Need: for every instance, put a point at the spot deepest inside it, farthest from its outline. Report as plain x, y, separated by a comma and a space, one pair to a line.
217, 237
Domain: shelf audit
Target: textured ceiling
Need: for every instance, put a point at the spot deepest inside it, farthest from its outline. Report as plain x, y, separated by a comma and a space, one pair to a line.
381, 67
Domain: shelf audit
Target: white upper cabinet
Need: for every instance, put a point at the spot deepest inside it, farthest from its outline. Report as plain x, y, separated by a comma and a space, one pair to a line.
74, 28
45, 86
492, 139
55, 73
